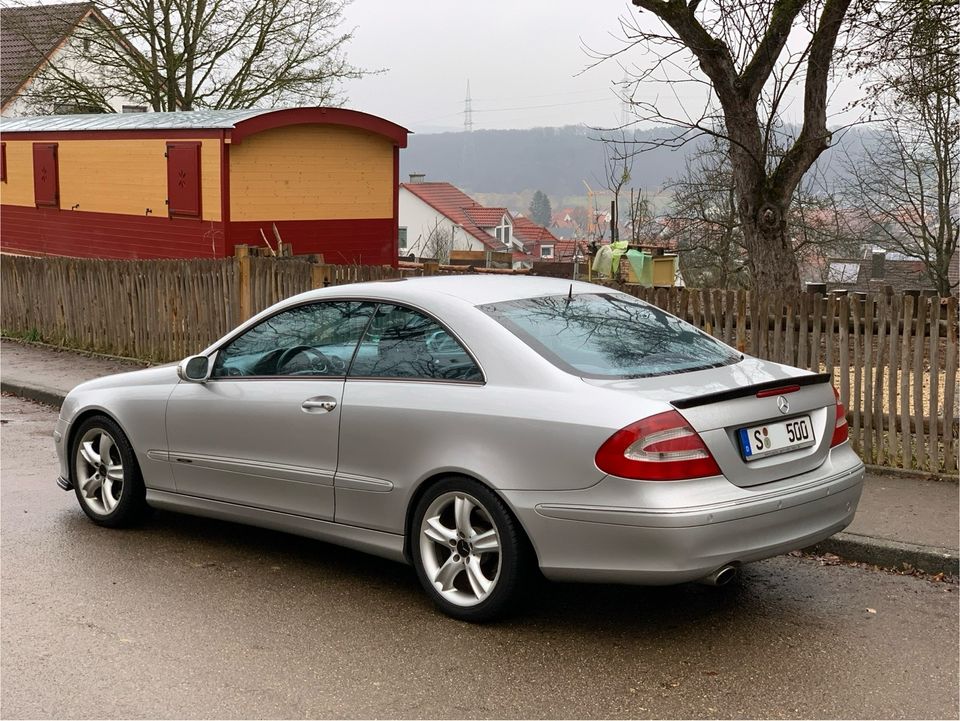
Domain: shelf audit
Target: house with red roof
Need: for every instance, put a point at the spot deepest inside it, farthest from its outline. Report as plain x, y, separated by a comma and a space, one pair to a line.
436, 218
542, 245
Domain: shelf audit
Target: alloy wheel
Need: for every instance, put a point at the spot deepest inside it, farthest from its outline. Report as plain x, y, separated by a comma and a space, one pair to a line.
99, 471
460, 548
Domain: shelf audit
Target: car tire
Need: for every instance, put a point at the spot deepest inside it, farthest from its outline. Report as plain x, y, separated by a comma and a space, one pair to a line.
105, 473
469, 552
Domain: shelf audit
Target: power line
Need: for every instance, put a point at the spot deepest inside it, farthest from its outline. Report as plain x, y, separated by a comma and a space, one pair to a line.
550, 105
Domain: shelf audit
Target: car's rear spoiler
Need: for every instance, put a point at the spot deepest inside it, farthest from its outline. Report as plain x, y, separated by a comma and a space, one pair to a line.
751, 390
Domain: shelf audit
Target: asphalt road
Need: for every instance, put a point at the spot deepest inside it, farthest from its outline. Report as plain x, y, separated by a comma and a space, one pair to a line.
186, 617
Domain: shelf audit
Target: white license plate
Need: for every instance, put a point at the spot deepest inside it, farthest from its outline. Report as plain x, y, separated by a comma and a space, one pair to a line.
773, 438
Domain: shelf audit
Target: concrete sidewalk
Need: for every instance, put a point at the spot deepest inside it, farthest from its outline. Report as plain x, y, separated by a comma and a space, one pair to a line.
900, 520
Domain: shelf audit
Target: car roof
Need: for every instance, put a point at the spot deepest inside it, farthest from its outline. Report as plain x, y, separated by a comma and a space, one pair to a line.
473, 289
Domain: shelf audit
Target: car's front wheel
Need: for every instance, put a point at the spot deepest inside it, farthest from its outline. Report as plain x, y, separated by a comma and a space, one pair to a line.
469, 552
106, 476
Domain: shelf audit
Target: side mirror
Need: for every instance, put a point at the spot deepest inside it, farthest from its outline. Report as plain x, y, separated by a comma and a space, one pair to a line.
195, 369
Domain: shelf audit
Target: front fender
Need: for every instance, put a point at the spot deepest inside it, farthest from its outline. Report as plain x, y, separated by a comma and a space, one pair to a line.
137, 401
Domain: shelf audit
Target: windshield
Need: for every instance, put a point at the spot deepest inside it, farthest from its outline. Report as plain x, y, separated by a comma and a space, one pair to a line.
609, 335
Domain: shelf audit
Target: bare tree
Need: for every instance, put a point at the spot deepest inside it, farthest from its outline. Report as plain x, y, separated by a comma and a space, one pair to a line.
190, 54
897, 35
639, 217
617, 165
905, 177
437, 244
618, 158
739, 50
705, 222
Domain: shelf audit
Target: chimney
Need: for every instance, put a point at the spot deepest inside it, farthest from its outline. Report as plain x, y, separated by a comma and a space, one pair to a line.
877, 262
417, 178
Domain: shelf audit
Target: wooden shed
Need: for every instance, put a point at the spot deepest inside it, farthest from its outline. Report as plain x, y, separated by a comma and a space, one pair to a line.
195, 184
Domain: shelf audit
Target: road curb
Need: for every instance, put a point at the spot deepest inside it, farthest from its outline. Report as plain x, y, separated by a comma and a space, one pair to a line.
911, 473
890, 554
33, 392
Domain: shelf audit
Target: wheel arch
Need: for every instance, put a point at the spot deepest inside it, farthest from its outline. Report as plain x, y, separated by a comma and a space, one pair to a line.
427, 483
78, 420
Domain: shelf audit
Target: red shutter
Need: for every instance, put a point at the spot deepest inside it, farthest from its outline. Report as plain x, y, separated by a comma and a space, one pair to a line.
46, 185
183, 180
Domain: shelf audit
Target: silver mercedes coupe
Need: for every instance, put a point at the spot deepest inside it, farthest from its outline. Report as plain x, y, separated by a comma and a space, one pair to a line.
477, 427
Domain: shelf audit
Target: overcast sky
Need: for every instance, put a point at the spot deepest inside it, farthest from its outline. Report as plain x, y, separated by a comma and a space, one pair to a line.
524, 60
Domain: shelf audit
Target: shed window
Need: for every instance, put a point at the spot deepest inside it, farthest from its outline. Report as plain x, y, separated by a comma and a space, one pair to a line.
3, 162
183, 180
46, 185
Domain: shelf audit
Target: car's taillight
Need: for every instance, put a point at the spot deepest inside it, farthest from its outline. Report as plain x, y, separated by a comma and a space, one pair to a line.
841, 431
660, 448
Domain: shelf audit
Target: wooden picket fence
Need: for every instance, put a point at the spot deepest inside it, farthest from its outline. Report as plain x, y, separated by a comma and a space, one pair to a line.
893, 358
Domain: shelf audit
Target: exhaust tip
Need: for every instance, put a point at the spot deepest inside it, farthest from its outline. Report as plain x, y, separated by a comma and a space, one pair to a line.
722, 576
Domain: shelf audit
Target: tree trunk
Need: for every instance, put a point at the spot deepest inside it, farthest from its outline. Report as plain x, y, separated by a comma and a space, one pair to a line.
773, 264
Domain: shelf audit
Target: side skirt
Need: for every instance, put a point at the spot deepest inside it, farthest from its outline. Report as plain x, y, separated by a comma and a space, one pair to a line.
378, 543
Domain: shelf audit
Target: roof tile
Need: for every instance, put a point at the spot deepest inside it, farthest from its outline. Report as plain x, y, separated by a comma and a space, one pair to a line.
459, 207
28, 35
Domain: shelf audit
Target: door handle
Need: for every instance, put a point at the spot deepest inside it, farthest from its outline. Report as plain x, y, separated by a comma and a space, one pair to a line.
318, 404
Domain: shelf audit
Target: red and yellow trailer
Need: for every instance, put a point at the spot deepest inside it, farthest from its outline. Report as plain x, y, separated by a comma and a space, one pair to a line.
195, 184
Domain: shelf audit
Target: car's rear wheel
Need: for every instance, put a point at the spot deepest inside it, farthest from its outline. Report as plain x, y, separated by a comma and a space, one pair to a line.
469, 553
106, 476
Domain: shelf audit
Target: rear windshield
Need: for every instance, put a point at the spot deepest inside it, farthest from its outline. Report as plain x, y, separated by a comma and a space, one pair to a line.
609, 335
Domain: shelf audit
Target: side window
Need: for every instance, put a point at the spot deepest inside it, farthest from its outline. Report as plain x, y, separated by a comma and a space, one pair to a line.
309, 340
403, 343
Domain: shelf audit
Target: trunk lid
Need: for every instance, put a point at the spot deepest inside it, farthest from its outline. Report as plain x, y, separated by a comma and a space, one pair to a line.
718, 402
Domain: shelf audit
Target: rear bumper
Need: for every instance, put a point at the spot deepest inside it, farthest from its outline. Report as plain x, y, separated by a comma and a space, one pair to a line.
659, 533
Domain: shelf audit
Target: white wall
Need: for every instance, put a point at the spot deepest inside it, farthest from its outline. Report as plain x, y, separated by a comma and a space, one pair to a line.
71, 60
420, 219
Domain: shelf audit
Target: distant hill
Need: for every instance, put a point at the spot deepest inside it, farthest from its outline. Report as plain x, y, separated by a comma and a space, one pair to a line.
555, 160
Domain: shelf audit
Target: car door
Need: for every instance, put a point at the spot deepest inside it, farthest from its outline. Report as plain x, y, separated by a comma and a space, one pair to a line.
407, 392
263, 430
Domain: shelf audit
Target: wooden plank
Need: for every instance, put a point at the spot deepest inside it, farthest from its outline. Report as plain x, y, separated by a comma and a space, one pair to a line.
706, 300
244, 291
868, 361
695, 308
776, 335
790, 339
950, 387
876, 412
742, 320
856, 307
831, 331
730, 311
817, 320
803, 331
933, 450
904, 364
894, 315
919, 439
